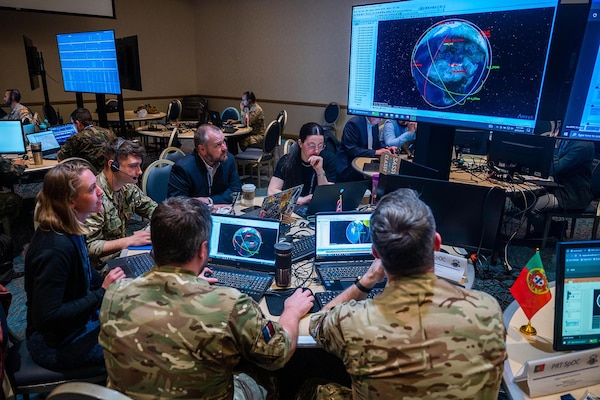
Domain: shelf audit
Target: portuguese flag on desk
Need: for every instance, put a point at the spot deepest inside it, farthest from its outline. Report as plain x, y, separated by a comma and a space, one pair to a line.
531, 287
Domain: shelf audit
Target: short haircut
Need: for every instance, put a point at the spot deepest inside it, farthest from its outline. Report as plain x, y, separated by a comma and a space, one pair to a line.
126, 147
178, 227
250, 96
201, 135
403, 230
15, 94
82, 115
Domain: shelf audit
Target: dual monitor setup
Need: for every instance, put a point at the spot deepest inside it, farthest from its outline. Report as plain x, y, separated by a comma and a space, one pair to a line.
497, 69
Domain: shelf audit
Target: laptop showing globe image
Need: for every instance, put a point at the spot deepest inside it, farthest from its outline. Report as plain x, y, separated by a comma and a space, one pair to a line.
244, 243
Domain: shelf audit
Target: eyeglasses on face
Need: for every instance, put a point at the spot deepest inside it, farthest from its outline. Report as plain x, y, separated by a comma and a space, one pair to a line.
312, 146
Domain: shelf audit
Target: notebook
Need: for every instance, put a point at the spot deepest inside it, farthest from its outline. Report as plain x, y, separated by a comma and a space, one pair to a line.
279, 204
63, 132
343, 248
50, 146
325, 198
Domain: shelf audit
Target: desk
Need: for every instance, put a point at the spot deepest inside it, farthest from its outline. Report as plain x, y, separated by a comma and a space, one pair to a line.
520, 348
130, 116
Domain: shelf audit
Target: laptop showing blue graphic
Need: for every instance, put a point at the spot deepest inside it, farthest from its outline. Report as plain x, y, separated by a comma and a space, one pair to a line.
63, 132
50, 146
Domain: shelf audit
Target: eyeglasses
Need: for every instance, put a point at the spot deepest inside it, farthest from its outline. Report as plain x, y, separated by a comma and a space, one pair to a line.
312, 146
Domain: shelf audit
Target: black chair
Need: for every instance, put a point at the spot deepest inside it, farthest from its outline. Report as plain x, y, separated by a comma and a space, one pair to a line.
331, 115
257, 157
282, 119
173, 111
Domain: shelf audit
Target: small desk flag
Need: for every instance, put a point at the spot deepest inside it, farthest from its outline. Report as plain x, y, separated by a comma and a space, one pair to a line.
338, 205
531, 287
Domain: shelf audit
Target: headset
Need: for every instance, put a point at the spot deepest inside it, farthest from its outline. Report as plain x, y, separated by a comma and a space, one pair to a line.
115, 167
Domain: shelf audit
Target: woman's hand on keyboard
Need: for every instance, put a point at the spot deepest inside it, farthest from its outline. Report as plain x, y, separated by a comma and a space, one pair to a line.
206, 274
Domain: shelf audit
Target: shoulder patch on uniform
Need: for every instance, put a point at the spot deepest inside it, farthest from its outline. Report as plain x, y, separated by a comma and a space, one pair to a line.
268, 331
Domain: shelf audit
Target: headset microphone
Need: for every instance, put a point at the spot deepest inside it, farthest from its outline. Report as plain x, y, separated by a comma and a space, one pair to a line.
115, 168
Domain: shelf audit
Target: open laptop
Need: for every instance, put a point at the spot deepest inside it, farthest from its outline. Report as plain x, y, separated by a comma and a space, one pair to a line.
50, 146
279, 204
63, 132
242, 253
343, 248
134, 265
215, 118
325, 198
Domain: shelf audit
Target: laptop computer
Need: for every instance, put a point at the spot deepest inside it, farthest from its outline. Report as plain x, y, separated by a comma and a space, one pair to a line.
325, 198
134, 265
215, 119
279, 204
343, 248
63, 132
50, 146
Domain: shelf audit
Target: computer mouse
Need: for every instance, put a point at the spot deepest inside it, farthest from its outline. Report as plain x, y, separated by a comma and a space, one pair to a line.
304, 289
207, 274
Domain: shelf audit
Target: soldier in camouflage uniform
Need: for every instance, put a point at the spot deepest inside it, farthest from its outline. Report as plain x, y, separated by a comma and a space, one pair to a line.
256, 120
422, 338
10, 203
171, 334
122, 198
88, 142
18, 112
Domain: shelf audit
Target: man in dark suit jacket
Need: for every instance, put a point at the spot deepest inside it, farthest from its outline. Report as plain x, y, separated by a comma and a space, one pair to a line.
356, 143
209, 173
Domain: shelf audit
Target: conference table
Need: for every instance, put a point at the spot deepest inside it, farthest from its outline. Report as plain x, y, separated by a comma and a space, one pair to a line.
521, 348
130, 116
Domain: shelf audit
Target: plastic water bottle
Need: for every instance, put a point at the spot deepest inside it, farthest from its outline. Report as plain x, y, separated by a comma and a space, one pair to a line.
374, 188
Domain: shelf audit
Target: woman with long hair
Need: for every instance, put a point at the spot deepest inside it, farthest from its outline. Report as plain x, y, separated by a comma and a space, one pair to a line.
64, 292
306, 163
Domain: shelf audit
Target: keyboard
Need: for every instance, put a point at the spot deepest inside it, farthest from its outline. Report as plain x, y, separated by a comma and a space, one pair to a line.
50, 156
229, 129
254, 284
325, 297
134, 265
344, 270
303, 248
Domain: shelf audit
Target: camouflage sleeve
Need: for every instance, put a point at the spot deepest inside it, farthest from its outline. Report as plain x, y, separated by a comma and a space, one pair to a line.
144, 205
324, 328
95, 238
8, 168
260, 340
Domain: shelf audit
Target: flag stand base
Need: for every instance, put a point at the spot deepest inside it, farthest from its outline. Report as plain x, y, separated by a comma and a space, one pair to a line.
528, 329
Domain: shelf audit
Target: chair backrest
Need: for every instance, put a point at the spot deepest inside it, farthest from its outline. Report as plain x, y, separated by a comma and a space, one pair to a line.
85, 391
174, 110
331, 142
332, 113
83, 160
282, 119
287, 145
272, 137
230, 113
596, 181
174, 138
172, 153
156, 179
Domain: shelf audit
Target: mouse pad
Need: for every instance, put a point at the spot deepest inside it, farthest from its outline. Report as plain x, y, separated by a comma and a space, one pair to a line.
276, 298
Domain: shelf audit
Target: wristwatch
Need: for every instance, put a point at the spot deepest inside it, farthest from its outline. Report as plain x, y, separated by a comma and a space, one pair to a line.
361, 287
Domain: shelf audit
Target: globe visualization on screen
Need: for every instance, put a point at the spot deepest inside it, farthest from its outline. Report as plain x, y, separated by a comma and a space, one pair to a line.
247, 241
358, 232
450, 62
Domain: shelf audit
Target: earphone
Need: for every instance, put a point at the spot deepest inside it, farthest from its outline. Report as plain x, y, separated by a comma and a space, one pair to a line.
115, 164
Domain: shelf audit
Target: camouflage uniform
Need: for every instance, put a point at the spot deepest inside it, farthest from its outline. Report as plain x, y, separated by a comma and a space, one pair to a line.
111, 223
20, 113
10, 203
256, 119
169, 334
88, 144
421, 338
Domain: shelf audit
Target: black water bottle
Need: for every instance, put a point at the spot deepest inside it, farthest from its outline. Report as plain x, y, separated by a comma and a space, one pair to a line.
283, 264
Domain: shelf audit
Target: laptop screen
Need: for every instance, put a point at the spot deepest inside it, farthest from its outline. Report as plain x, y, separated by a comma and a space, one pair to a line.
244, 242
63, 132
281, 203
344, 235
577, 304
12, 141
47, 139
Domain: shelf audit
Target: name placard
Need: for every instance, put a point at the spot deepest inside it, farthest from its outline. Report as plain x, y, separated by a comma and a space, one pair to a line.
561, 373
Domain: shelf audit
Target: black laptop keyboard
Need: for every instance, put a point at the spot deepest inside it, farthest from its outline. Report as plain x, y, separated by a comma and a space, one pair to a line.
136, 264
254, 284
325, 297
343, 270
303, 248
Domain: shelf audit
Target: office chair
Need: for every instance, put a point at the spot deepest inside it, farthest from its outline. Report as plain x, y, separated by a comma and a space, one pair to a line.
173, 111
156, 179
85, 391
172, 154
230, 113
331, 115
256, 158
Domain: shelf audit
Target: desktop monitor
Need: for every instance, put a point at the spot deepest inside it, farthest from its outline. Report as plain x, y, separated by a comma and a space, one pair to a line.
582, 119
523, 154
13, 141
33, 63
466, 215
577, 297
129, 63
471, 141
89, 62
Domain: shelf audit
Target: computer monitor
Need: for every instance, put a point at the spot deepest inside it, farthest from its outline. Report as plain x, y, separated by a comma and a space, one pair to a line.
33, 62
89, 62
524, 154
577, 296
13, 141
466, 215
582, 120
129, 63
471, 141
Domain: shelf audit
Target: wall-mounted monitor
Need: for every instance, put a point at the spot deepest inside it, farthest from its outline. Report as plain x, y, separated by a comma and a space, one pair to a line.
462, 63
13, 141
524, 154
33, 63
89, 62
582, 120
129, 63
577, 304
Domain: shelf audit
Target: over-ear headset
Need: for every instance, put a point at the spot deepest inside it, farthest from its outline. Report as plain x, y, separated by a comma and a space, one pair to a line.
115, 167
251, 96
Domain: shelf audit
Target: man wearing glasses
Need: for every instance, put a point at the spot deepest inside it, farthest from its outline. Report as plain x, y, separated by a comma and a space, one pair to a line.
209, 173
306, 163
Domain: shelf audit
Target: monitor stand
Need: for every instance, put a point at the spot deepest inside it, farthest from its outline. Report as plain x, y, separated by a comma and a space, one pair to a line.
434, 146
